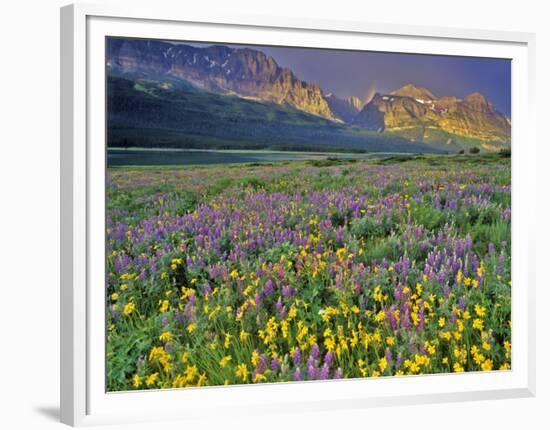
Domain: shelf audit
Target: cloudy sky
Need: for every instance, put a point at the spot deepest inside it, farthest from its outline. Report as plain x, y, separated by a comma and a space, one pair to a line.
360, 73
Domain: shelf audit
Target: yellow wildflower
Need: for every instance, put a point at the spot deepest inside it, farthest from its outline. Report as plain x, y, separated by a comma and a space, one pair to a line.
259, 378
377, 294
129, 308
190, 373
166, 337
243, 336
380, 316
136, 381
445, 335
151, 379
479, 310
227, 340
292, 312
202, 379
478, 324
165, 304
382, 364
224, 361
429, 347
242, 372
487, 365
255, 358
330, 343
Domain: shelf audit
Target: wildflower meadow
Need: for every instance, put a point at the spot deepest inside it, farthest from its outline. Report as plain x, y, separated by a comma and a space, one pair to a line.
307, 270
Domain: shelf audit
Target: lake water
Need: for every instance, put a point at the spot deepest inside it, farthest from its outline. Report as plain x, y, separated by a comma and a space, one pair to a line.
136, 157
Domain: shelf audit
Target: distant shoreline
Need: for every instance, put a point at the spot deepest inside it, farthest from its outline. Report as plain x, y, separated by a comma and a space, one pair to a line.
262, 151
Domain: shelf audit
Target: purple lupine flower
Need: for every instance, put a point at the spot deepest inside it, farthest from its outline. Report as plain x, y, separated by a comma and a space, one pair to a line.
405, 318
389, 356
474, 262
257, 300
329, 356
399, 360
398, 292
179, 317
453, 317
275, 364
324, 372
286, 291
262, 363
298, 375
340, 234
311, 372
192, 298
500, 265
207, 289
393, 319
279, 305
338, 283
338, 374
268, 287
315, 351
297, 356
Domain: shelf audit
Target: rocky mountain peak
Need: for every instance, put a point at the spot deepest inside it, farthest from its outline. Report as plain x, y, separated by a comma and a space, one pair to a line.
242, 71
475, 97
416, 108
478, 102
410, 90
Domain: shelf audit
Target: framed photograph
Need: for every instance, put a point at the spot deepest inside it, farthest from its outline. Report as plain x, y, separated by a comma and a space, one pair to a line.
283, 214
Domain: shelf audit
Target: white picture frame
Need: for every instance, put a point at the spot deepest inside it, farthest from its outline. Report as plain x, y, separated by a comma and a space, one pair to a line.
84, 400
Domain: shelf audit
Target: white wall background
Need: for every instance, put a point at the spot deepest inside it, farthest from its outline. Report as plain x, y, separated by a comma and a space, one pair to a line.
29, 214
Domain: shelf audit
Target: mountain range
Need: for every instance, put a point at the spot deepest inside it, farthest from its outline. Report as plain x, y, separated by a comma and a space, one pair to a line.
240, 94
